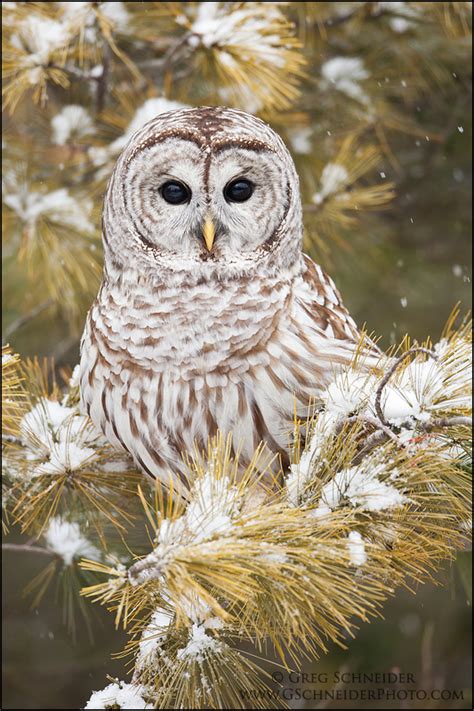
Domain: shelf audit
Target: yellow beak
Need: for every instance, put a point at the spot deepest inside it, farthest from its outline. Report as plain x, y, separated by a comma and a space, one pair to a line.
209, 232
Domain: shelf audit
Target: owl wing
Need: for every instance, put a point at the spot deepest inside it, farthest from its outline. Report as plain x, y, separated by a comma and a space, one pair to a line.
322, 304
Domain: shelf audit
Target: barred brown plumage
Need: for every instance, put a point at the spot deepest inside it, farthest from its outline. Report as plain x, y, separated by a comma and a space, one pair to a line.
188, 336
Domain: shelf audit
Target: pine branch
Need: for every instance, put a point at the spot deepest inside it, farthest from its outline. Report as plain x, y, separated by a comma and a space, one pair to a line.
390, 372
440, 422
26, 548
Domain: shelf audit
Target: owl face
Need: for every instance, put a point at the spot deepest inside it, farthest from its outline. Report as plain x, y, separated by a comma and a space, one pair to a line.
202, 188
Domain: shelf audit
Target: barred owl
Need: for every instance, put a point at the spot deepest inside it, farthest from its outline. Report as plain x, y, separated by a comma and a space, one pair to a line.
209, 316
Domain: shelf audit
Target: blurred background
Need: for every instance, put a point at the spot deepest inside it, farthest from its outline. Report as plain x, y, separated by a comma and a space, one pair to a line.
373, 100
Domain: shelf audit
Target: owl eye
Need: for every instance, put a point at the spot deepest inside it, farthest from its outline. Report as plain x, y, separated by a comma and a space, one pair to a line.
175, 193
238, 190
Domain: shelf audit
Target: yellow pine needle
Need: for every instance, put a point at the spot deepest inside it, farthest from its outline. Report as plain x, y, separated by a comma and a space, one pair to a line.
69, 267
270, 70
78, 51
343, 204
40, 583
39, 497
14, 395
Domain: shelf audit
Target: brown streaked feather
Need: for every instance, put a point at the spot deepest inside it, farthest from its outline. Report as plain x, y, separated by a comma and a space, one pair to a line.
328, 312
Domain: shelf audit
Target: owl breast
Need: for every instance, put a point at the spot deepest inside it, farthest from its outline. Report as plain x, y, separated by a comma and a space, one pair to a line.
163, 369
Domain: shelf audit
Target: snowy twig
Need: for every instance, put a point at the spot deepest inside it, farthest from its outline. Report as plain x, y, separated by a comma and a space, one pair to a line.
135, 570
459, 421
383, 432
370, 421
374, 440
390, 372
25, 548
382, 435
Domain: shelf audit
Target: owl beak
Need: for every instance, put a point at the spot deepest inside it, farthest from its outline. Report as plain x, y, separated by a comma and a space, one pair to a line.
208, 232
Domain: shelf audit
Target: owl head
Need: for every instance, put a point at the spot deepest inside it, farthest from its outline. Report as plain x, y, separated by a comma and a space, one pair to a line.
200, 192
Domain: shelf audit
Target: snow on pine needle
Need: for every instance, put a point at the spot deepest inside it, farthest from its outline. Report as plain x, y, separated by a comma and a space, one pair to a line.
56, 232
203, 671
416, 397
53, 455
359, 486
66, 540
52, 43
63, 542
340, 191
200, 666
13, 393
345, 74
36, 48
120, 695
360, 514
249, 47
72, 123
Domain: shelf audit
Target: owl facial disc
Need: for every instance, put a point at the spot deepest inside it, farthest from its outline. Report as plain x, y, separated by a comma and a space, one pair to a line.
205, 192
